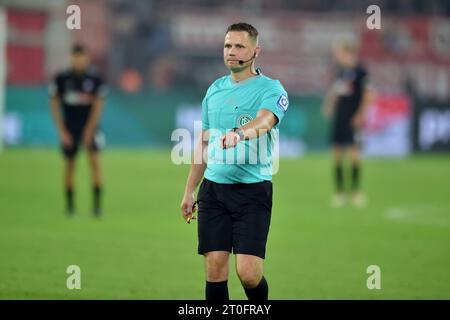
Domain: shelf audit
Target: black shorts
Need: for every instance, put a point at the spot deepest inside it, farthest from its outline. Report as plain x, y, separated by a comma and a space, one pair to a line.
77, 135
234, 217
342, 133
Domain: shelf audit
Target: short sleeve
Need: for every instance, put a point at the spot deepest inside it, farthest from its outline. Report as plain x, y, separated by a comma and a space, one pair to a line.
101, 89
364, 78
275, 99
205, 120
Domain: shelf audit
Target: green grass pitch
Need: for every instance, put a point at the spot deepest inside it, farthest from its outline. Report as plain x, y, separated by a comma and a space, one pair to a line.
142, 249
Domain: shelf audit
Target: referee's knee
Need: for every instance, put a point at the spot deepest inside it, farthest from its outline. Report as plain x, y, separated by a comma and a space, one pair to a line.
249, 277
216, 267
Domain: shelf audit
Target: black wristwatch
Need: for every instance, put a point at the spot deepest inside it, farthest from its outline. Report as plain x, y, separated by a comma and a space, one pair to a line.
240, 133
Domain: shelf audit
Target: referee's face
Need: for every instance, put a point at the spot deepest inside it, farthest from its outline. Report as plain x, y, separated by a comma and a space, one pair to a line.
238, 46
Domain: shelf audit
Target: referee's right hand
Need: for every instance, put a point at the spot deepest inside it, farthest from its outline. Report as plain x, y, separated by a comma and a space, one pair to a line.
188, 207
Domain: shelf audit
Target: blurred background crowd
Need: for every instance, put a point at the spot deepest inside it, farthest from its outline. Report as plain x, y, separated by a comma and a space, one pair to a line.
158, 58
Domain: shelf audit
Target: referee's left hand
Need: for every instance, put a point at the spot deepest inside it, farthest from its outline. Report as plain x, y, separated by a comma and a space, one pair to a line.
188, 207
229, 140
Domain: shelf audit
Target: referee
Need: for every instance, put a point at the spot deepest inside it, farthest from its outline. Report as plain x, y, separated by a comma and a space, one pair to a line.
76, 103
235, 198
346, 102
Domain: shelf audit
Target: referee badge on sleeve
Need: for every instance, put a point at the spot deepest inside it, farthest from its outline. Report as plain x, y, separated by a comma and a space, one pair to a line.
283, 103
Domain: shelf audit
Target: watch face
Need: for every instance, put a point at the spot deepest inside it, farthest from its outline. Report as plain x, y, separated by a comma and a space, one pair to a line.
239, 132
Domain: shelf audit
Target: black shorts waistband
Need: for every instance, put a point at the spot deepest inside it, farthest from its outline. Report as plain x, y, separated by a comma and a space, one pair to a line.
239, 185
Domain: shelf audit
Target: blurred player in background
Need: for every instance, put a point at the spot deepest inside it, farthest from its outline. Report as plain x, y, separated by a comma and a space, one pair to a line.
76, 103
346, 102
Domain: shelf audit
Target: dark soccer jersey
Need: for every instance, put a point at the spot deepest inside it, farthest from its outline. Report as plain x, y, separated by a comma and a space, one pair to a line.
349, 87
77, 93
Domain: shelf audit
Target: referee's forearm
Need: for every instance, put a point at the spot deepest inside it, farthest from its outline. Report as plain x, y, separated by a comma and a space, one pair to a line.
198, 166
265, 121
195, 176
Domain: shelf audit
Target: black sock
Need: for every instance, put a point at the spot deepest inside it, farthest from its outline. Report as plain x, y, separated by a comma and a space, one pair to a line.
339, 178
69, 199
216, 291
259, 293
355, 177
97, 193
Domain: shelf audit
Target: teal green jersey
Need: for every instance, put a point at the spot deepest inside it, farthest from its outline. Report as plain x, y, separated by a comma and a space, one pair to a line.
229, 105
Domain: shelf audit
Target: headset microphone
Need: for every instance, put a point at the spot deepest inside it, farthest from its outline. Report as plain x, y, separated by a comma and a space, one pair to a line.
241, 62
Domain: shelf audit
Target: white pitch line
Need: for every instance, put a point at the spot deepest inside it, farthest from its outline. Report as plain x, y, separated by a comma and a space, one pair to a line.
420, 214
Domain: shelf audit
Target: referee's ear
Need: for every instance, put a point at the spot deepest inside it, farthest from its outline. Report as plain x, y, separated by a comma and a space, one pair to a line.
257, 51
